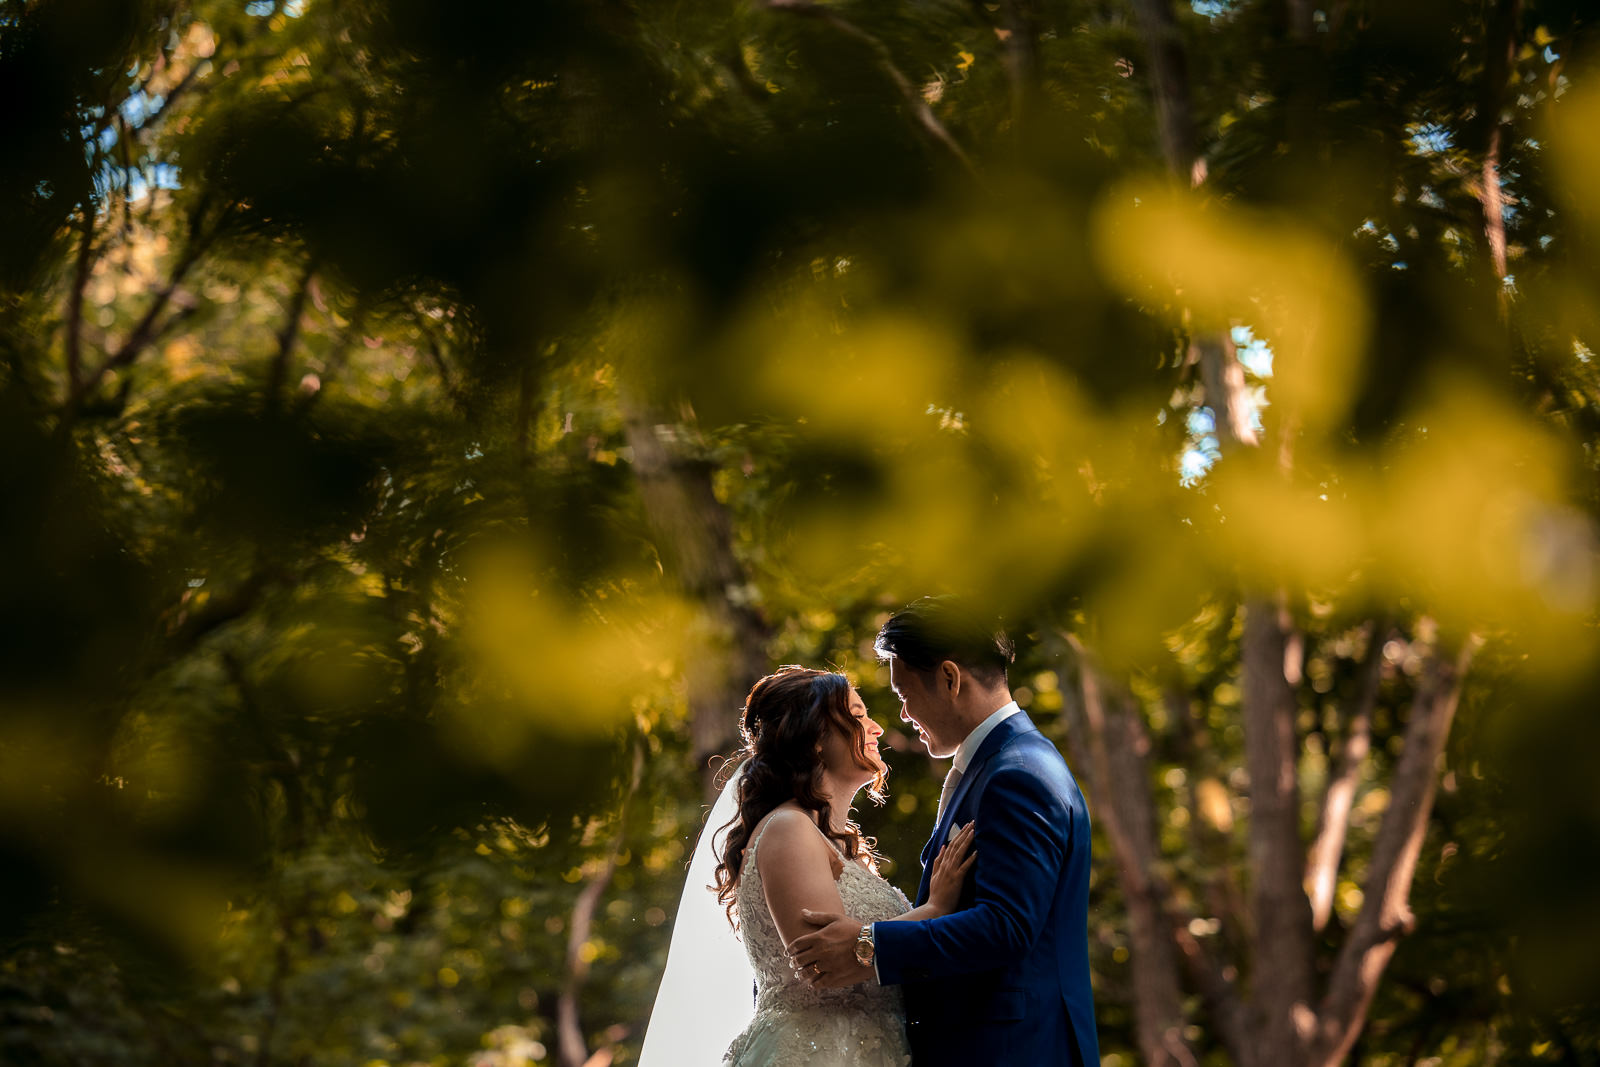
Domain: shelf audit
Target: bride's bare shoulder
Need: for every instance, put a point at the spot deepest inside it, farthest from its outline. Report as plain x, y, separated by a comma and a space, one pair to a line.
787, 822
788, 836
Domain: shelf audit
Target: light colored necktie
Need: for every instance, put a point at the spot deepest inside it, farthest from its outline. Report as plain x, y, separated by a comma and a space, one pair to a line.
951, 780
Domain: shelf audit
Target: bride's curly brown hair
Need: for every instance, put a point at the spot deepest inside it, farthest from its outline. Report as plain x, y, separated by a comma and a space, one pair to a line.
785, 718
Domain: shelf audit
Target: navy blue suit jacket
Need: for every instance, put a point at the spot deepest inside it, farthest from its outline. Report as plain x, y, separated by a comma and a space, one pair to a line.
1005, 978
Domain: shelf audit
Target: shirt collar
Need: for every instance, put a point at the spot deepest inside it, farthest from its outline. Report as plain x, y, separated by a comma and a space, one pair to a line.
975, 739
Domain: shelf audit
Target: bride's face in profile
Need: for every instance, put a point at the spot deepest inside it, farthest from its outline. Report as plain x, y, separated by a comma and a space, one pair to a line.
839, 760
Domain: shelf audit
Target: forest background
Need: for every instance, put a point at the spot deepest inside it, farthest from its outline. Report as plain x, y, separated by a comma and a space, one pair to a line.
420, 422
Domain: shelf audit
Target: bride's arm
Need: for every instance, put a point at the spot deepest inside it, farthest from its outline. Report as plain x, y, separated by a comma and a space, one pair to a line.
945, 882
950, 869
798, 871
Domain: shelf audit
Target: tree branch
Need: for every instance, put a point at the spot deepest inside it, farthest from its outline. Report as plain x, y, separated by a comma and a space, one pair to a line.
525, 413
126, 154
732, 60
184, 85
187, 628
146, 331
278, 373
80, 282
925, 119
436, 357
1333, 821
281, 764
572, 1050
1386, 913
1501, 35
335, 361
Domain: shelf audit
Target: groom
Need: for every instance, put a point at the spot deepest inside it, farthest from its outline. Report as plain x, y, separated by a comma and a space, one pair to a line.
1005, 978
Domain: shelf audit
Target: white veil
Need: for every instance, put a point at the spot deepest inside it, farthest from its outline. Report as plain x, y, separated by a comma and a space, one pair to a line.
707, 993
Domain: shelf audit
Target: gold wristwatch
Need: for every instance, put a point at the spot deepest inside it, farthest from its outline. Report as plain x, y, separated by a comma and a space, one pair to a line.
864, 946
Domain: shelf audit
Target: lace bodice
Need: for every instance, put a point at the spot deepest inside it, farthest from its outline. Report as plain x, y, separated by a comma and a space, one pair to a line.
791, 1015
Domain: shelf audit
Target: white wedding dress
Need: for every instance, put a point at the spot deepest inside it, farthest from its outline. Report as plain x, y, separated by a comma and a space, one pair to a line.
796, 1026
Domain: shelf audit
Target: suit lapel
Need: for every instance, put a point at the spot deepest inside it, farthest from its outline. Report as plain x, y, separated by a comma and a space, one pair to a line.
1016, 724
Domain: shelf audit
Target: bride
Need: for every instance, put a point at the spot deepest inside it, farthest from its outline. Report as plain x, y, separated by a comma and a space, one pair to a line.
809, 748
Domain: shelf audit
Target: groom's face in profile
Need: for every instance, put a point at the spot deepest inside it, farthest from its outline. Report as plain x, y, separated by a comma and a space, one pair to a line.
921, 706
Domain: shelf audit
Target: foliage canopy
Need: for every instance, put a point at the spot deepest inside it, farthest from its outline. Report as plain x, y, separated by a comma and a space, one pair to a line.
418, 426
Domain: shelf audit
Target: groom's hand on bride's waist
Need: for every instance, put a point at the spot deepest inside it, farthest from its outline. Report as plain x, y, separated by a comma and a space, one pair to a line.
826, 957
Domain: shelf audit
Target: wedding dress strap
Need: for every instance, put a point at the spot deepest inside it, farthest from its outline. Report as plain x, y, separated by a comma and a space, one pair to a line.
750, 849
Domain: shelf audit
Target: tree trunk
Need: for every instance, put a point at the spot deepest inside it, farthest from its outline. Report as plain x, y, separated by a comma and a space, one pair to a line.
1117, 760
694, 537
1282, 961
1021, 58
1222, 376
1169, 87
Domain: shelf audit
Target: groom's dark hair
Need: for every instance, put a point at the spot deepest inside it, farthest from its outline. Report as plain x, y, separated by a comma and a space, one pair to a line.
937, 628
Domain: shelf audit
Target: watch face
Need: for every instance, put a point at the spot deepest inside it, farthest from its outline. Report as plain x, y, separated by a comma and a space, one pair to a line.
864, 951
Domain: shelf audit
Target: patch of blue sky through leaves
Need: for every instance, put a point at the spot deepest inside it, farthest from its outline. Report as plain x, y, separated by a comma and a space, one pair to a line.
1203, 448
